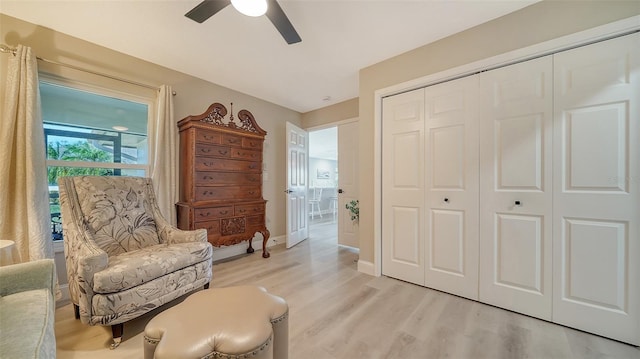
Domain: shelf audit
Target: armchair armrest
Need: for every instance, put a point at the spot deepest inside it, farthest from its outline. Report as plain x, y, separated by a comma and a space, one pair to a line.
22, 277
169, 234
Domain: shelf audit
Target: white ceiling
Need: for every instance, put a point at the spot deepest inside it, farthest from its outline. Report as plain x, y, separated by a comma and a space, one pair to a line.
248, 54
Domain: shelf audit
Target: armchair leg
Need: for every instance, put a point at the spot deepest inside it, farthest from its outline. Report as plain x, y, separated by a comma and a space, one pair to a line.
76, 311
206, 286
116, 330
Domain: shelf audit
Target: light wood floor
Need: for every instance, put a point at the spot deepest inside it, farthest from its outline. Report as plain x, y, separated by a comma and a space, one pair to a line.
337, 312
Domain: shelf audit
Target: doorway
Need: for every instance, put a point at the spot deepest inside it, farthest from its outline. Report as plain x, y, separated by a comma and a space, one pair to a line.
323, 180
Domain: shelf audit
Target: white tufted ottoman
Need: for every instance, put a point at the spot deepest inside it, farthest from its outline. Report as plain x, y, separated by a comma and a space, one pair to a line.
233, 322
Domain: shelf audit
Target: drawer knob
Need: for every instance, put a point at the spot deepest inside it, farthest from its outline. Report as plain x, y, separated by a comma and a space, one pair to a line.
517, 203
224, 212
446, 200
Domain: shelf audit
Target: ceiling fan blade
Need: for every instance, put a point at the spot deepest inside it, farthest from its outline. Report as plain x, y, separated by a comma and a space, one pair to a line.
282, 23
206, 9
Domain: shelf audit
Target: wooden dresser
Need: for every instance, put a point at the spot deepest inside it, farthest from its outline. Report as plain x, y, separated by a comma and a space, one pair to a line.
221, 177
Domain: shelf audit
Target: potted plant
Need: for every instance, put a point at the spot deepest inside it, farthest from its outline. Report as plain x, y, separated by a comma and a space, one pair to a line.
354, 210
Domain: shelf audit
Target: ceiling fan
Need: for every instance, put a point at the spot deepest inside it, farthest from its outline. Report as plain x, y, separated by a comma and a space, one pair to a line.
274, 12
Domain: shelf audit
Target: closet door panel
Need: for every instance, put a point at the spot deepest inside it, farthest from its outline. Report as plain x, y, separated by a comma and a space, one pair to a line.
403, 187
518, 246
515, 187
596, 202
452, 187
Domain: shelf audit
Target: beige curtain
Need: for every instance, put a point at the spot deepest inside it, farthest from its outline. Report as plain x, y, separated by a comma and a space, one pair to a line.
24, 194
163, 135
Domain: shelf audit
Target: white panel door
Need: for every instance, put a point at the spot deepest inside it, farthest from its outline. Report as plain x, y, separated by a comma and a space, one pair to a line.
516, 187
403, 186
297, 201
451, 174
596, 202
347, 182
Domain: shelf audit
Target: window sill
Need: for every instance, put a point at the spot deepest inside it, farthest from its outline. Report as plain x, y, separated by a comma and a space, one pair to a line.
58, 246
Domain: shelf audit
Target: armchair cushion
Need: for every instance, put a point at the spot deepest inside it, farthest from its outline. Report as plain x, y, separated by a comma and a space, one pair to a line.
117, 210
133, 268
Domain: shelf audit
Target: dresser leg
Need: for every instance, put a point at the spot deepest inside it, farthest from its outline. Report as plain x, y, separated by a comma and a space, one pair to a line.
265, 234
250, 249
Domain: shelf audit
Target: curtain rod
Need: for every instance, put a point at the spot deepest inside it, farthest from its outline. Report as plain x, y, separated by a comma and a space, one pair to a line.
9, 50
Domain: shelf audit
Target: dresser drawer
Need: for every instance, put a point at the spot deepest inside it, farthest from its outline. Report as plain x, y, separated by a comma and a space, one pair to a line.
227, 178
208, 137
255, 221
231, 140
246, 154
252, 143
212, 227
249, 209
207, 214
227, 192
213, 164
212, 150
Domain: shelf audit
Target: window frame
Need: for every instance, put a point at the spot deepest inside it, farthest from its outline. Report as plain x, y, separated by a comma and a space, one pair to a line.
149, 100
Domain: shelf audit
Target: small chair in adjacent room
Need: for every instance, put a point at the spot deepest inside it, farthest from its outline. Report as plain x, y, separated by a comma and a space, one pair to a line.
333, 206
123, 258
314, 202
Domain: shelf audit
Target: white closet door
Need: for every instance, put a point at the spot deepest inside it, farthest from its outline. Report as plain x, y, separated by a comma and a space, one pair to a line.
451, 141
516, 188
597, 189
403, 186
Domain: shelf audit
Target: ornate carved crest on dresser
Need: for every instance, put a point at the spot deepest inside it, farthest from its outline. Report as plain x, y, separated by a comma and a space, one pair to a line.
221, 177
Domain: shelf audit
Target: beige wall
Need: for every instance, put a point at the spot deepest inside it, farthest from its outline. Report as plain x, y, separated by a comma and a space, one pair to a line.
341, 111
193, 95
537, 23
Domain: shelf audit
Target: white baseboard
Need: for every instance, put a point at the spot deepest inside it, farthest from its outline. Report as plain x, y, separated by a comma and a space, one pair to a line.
274, 241
367, 268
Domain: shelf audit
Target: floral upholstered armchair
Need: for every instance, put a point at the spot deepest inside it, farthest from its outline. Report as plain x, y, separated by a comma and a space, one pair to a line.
123, 258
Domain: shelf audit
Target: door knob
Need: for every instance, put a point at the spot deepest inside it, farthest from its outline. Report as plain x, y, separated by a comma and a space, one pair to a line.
340, 190
287, 191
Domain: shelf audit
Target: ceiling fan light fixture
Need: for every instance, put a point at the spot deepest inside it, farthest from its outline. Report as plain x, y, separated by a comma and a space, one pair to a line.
250, 7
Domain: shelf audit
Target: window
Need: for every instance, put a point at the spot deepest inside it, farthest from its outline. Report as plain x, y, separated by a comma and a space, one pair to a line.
91, 133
